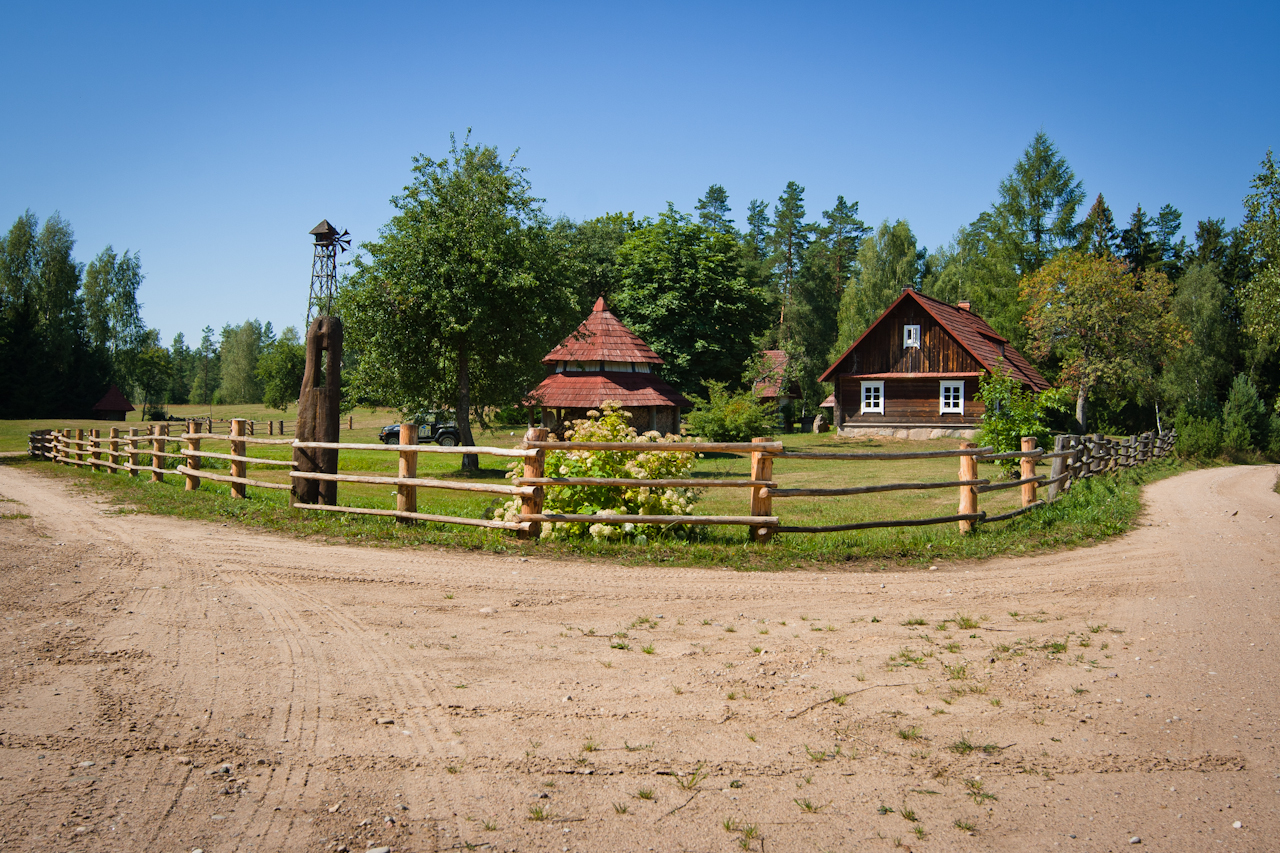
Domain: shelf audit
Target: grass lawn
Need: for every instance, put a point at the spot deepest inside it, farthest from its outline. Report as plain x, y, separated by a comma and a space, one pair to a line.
1098, 508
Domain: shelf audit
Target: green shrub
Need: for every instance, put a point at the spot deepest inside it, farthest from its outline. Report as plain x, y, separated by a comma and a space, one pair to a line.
732, 417
1244, 417
610, 424
1199, 437
1273, 436
1013, 412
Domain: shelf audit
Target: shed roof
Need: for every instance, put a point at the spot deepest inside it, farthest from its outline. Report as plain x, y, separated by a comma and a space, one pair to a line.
970, 331
769, 386
113, 401
603, 337
590, 390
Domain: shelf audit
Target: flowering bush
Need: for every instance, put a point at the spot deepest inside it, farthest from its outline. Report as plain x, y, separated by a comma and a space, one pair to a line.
657, 464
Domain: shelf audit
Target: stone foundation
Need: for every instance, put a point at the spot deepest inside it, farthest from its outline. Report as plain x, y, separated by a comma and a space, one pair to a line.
911, 433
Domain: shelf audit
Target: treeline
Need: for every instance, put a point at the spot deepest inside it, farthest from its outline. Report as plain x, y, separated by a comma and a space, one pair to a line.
68, 331
470, 284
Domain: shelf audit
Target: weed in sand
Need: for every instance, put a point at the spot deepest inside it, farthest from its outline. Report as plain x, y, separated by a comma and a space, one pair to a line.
964, 825
706, 621
884, 809
729, 629
637, 747
764, 630
620, 645
1097, 629
808, 806
539, 812
729, 824
489, 825
914, 620
648, 650
645, 794
839, 698
968, 623
994, 701
974, 789
755, 650
751, 737
1079, 690
731, 695
607, 664
954, 648
451, 769
911, 734
677, 689
448, 595
964, 747
693, 780
861, 676
590, 746
908, 814
956, 672
919, 831
620, 808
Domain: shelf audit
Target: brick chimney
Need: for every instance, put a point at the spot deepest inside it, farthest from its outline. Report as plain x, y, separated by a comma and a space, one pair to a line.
963, 306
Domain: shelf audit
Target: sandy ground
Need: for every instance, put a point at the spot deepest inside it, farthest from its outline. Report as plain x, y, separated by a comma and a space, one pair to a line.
168, 686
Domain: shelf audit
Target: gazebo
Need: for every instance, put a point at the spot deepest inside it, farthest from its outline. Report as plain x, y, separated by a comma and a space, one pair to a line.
113, 406
604, 360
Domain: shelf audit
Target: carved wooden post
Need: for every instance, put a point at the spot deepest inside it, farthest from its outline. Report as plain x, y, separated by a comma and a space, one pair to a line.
407, 496
1028, 471
193, 462
318, 416
238, 469
157, 447
133, 451
968, 494
534, 466
761, 502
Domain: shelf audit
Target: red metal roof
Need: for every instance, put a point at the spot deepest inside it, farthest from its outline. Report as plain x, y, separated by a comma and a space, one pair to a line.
591, 390
971, 331
603, 337
113, 401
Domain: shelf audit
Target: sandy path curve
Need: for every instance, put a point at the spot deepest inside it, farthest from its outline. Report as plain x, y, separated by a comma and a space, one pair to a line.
170, 685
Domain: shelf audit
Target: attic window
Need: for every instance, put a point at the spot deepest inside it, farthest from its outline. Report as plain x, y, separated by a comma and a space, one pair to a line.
911, 336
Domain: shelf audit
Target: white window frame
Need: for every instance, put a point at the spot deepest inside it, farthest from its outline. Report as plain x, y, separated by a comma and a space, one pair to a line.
911, 337
878, 387
958, 386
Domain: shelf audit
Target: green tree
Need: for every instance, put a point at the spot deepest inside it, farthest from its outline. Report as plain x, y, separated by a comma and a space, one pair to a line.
280, 369
1107, 326
47, 368
113, 315
183, 365
888, 263
461, 295
1260, 295
208, 368
238, 352
713, 210
589, 252
1034, 220
789, 238
812, 327
1196, 374
1098, 233
1148, 241
1244, 417
684, 293
725, 416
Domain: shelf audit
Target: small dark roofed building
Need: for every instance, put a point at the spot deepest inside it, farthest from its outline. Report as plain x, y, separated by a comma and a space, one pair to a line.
604, 360
113, 406
770, 386
914, 373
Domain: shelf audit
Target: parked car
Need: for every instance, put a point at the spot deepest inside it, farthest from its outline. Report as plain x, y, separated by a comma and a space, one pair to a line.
431, 427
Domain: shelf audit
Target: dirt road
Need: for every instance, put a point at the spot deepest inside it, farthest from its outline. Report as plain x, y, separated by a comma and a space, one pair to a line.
170, 686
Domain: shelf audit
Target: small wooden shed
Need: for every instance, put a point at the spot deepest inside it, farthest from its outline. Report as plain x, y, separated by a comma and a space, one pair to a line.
773, 385
113, 406
914, 373
604, 360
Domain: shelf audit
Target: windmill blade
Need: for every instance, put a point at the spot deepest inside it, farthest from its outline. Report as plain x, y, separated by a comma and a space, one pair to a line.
344, 240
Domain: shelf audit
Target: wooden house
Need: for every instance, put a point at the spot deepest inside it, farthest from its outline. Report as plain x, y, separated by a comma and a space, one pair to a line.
770, 387
914, 373
113, 406
604, 360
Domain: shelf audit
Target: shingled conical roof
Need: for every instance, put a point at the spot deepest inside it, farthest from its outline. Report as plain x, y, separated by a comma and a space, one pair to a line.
113, 401
603, 337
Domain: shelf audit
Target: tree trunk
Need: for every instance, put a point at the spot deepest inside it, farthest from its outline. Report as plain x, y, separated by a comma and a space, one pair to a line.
470, 461
1081, 406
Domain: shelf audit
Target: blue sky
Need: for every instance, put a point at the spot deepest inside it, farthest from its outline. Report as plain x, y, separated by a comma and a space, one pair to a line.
211, 138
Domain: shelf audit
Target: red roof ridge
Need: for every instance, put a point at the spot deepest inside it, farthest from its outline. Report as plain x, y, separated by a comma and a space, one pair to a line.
603, 337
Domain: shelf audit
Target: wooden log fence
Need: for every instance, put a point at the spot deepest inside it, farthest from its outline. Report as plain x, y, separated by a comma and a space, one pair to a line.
1073, 458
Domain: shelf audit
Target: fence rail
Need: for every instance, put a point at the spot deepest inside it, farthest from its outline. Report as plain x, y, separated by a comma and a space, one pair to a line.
1073, 458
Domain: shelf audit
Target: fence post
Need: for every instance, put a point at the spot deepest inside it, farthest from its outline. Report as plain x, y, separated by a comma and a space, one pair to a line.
271, 427
113, 452
761, 502
157, 447
282, 427
534, 466
78, 453
133, 451
968, 494
407, 496
1028, 470
238, 469
351, 422
95, 450
193, 462
1058, 468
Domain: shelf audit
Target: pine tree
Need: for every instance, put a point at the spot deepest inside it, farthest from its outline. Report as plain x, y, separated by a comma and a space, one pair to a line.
1098, 234
713, 210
